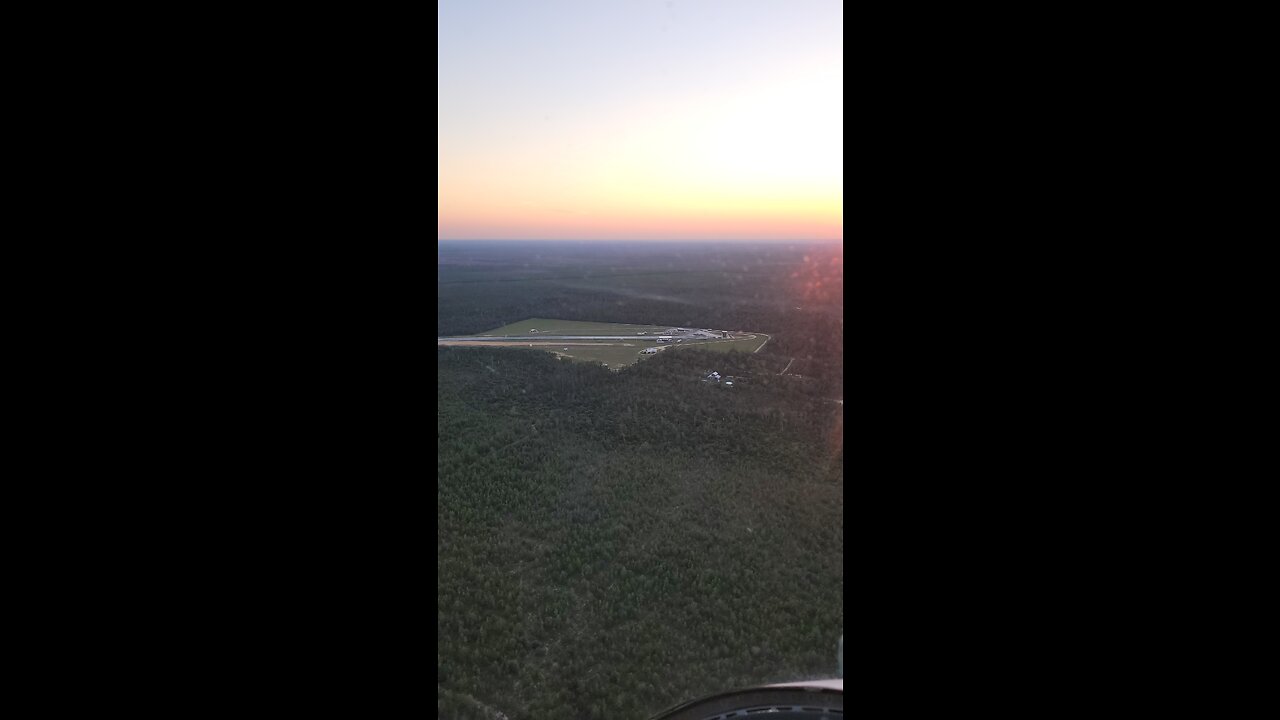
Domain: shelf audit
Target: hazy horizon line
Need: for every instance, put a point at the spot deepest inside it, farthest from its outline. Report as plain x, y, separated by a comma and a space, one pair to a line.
653, 240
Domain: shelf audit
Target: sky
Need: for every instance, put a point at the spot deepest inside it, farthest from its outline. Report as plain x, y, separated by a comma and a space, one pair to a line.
640, 120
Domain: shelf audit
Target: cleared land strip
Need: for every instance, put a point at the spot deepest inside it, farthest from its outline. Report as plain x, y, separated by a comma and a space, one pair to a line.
616, 345
476, 342
535, 338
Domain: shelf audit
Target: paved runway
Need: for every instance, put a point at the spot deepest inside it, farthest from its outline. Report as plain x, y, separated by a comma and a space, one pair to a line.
531, 337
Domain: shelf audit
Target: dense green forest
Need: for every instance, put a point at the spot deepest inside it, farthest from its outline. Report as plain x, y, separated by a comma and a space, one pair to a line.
613, 543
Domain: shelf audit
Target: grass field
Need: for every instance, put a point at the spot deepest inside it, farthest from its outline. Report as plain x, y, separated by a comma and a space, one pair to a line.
570, 327
612, 355
748, 345
615, 354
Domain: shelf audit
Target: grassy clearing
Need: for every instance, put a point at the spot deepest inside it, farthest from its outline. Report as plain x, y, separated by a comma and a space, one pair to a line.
748, 345
615, 354
608, 352
570, 327
612, 355
616, 357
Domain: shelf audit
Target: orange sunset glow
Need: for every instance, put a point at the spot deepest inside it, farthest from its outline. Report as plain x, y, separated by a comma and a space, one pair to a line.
662, 120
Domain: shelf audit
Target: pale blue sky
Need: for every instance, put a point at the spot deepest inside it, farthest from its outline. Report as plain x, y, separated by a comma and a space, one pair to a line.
530, 91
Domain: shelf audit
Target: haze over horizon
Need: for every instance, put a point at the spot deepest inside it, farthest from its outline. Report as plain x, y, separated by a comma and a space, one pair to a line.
645, 121
659, 241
